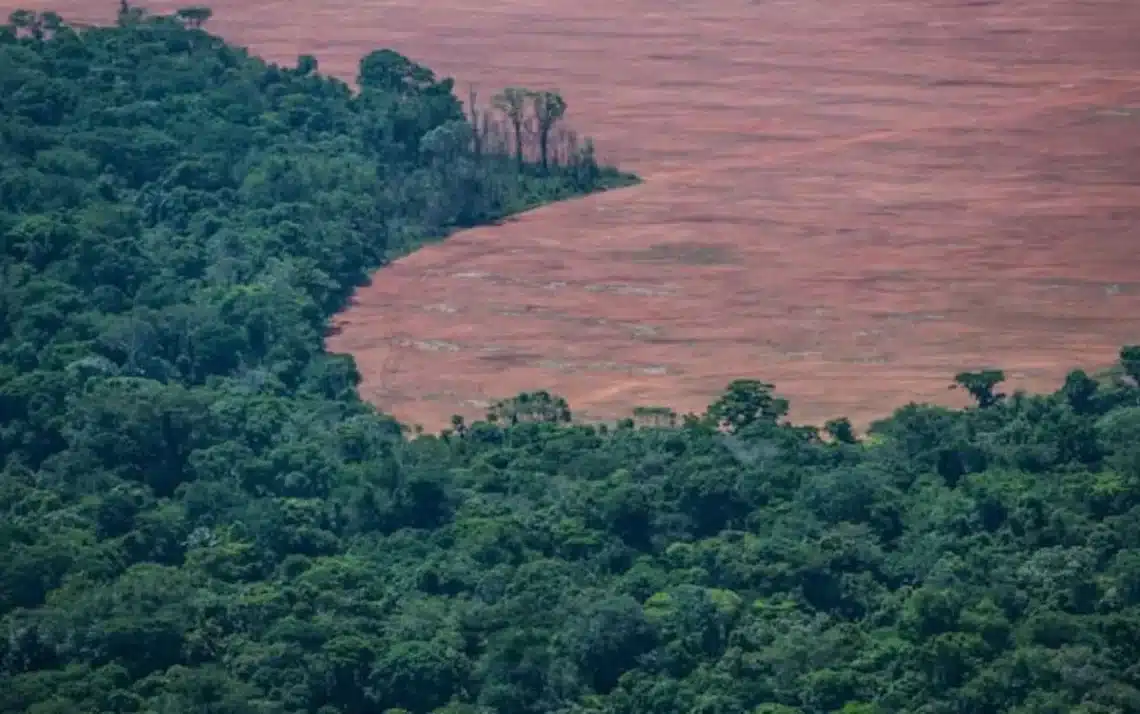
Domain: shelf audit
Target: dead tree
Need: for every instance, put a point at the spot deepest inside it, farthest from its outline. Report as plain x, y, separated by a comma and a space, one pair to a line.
512, 103
477, 131
549, 108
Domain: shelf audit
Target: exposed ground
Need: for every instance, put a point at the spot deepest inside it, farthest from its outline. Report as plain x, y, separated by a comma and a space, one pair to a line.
852, 199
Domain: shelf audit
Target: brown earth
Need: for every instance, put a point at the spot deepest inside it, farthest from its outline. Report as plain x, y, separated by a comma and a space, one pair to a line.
851, 199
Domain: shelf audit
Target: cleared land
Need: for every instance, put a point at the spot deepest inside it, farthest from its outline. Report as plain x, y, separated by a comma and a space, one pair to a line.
853, 200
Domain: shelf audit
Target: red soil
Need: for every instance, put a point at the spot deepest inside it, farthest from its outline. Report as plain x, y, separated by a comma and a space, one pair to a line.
854, 200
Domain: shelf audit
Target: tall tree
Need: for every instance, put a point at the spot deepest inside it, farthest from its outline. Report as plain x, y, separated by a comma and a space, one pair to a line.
512, 103
389, 71
981, 385
841, 431
747, 401
129, 14
194, 16
549, 108
1130, 361
26, 22
475, 117
1080, 390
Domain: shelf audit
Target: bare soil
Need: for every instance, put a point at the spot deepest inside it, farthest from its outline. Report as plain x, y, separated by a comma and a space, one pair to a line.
853, 200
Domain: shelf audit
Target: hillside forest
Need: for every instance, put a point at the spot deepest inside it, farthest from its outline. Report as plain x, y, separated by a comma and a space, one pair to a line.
200, 514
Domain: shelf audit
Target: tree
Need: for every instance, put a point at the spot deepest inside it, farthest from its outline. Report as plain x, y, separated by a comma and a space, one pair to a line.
746, 402
541, 406
26, 22
1080, 390
1118, 432
194, 16
50, 23
459, 425
307, 65
390, 71
130, 14
607, 639
654, 416
476, 119
418, 676
447, 142
840, 430
1130, 362
549, 108
981, 385
512, 103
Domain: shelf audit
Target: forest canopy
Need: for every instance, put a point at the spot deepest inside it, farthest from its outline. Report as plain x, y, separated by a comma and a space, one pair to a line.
201, 515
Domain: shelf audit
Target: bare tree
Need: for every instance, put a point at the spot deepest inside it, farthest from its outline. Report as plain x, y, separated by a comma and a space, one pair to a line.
477, 133
512, 103
565, 147
549, 109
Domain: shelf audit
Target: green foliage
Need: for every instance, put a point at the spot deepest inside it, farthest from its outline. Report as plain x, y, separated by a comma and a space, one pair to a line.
1130, 362
747, 402
540, 407
981, 385
840, 430
200, 515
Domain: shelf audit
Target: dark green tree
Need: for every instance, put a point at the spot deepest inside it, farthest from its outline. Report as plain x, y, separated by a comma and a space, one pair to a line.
1130, 362
980, 386
195, 16
747, 402
841, 430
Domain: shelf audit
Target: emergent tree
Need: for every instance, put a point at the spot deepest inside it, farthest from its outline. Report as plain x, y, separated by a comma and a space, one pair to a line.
549, 108
512, 103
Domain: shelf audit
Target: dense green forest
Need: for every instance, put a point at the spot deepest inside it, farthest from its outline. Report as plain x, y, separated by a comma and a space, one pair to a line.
201, 516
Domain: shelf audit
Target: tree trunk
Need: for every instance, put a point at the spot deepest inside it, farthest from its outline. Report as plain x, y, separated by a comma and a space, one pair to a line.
519, 146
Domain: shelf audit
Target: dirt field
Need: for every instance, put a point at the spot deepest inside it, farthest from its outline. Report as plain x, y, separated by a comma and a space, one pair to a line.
853, 200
